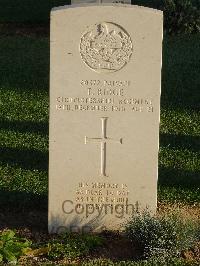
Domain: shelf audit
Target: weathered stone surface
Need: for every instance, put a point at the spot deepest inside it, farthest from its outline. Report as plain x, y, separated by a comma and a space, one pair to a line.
104, 115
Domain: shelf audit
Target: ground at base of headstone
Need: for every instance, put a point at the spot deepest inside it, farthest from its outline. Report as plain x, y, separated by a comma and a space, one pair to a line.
106, 248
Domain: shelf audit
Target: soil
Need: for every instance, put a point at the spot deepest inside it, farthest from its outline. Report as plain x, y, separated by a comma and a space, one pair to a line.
117, 247
192, 254
33, 225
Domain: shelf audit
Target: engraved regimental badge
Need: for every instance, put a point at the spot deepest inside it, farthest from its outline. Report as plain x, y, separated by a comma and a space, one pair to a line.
106, 47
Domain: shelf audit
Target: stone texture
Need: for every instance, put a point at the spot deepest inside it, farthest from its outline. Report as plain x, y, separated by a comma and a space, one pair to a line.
104, 115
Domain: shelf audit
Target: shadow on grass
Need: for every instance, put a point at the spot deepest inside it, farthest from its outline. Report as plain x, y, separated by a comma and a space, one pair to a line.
24, 63
178, 178
25, 158
174, 177
25, 126
178, 186
23, 210
27, 210
191, 143
180, 72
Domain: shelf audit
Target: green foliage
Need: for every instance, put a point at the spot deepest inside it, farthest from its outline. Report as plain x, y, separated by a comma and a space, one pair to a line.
71, 246
181, 16
12, 247
162, 237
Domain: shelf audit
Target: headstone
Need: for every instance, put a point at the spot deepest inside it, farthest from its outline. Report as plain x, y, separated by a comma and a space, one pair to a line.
104, 115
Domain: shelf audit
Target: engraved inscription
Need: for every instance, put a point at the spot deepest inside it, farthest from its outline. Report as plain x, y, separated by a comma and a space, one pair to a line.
106, 47
103, 140
101, 193
95, 103
105, 96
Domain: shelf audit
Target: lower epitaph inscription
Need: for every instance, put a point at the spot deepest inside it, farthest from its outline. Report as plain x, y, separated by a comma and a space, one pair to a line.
104, 115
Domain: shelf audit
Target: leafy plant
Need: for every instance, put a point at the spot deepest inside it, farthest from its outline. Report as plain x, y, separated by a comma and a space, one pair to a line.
72, 246
12, 247
161, 237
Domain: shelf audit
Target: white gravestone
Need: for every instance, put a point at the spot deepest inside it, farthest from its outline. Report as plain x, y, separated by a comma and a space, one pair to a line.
105, 83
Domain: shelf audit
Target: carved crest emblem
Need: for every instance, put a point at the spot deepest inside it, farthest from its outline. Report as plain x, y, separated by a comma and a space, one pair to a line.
106, 47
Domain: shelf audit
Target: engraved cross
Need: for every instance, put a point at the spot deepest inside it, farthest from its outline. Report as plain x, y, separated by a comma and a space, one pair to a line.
103, 140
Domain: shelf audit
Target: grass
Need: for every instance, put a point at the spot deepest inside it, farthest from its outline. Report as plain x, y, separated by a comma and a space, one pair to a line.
179, 163
24, 64
24, 107
24, 82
